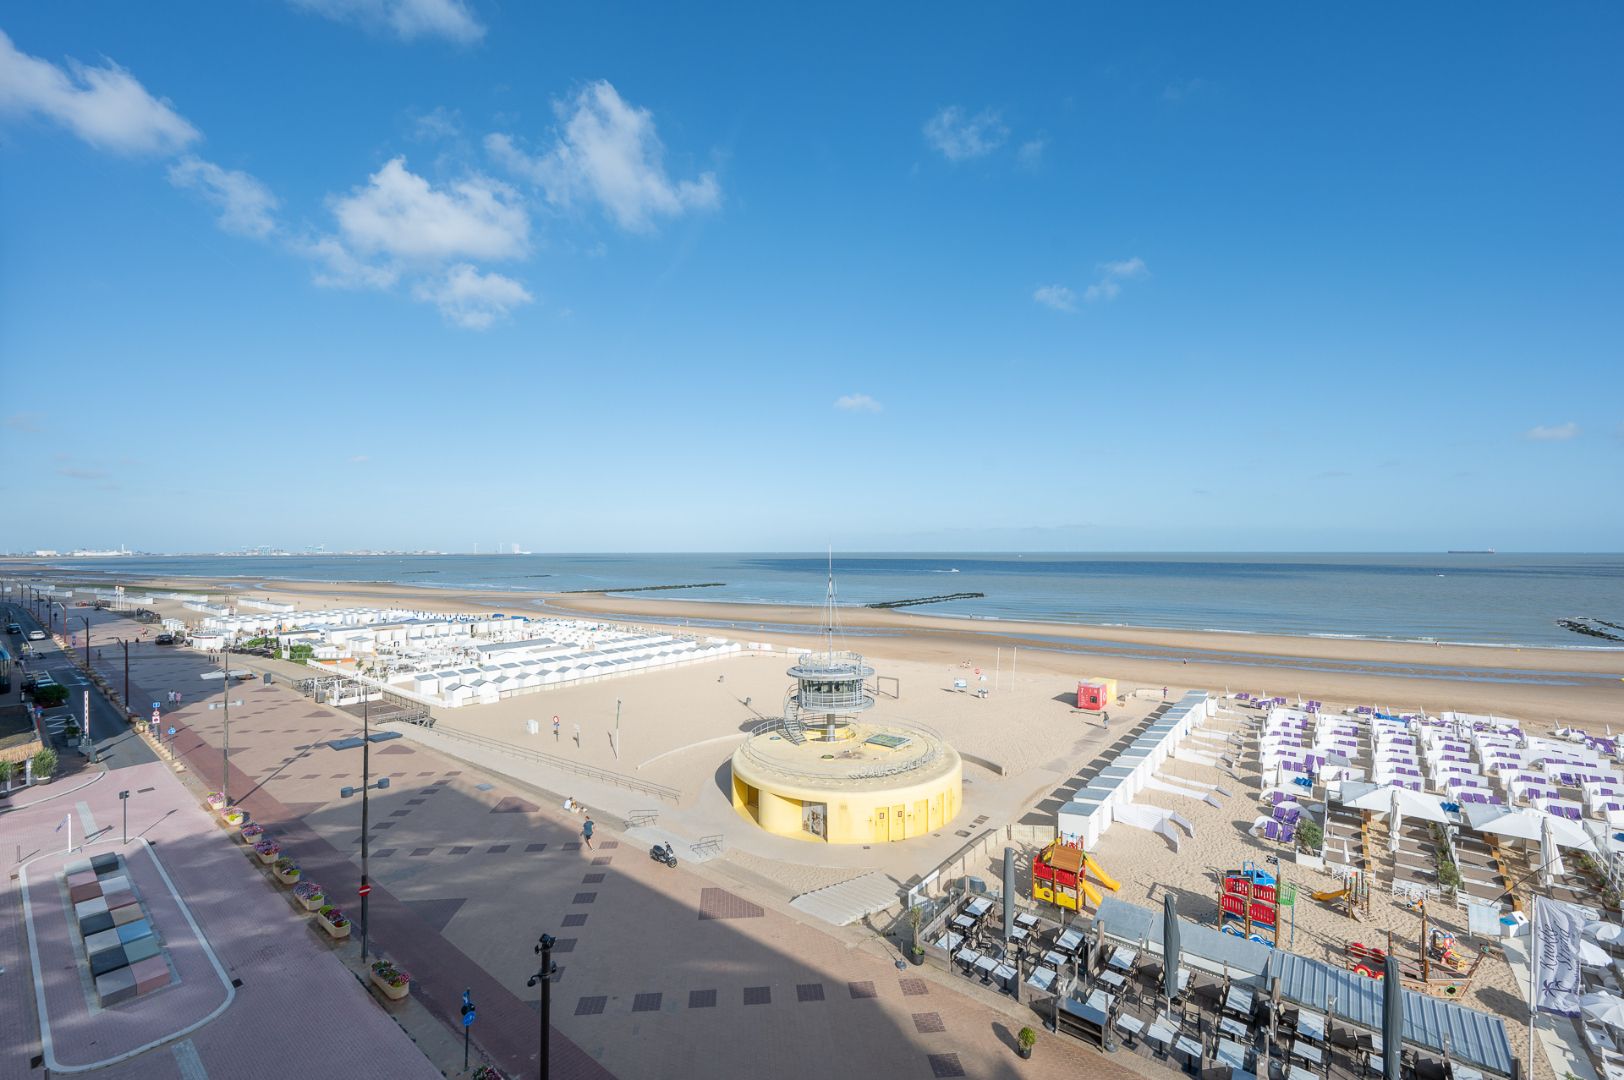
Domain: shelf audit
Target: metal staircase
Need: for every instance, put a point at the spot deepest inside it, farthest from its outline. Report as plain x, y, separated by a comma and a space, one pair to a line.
794, 730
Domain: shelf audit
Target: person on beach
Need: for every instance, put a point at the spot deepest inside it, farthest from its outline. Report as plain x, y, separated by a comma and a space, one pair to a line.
1105, 721
577, 736
1164, 693
586, 831
555, 729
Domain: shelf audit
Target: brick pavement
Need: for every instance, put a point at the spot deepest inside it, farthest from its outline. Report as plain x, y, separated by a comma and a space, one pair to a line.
297, 1011
665, 972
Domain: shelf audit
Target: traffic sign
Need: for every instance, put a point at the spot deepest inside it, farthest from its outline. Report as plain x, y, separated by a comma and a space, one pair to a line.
363, 890
156, 716
156, 706
468, 1016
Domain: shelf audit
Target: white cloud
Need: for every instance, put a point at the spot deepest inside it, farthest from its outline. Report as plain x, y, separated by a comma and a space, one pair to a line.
857, 403
406, 19
1030, 155
470, 299
1109, 286
339, 268
359, 459
608, 152
437, 123
104, 106
1056, 296
959, 137
398, 213
1553, 433
244, 203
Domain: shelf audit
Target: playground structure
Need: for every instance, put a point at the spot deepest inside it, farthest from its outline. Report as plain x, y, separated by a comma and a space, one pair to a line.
1249, 904
1352, 896
1059, 876
1442, 971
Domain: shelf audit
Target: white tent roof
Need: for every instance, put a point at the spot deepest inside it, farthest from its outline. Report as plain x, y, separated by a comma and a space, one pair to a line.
1411, 804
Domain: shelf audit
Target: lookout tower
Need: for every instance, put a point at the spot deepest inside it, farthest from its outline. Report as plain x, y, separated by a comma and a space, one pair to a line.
825, 771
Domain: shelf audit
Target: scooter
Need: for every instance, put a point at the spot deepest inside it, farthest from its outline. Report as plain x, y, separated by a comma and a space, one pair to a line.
663, 853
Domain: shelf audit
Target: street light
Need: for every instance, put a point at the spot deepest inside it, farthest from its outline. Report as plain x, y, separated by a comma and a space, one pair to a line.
86, 620
544, 949
124, 802
126, 645
224, 676
365, 742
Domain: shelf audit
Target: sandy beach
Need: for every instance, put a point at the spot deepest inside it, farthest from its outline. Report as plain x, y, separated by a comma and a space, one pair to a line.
1562, 686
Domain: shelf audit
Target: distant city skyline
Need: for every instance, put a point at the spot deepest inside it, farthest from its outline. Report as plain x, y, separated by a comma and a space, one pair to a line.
674, 280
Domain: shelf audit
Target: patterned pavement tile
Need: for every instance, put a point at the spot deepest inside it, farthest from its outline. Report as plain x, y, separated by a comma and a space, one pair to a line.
565, 944
862, 990
646, 1003
602, 860
584, 898
702, 999
577, 919
592, 1006
945, 1065
928, 1023
515, 805
416, 852
609, 845
914, 987
383, 854
758, 995
593, 879
805, 992
721, 904
497, 849
531, 848
461, 849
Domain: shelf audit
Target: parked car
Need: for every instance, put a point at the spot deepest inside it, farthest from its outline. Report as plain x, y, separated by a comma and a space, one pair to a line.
36, 635
164, 639
14, 629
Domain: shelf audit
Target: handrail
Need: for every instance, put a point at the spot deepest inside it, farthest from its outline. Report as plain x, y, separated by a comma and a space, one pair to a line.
659, 791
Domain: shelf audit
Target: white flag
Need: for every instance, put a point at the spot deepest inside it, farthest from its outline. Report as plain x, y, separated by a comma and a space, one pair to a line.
1558, 928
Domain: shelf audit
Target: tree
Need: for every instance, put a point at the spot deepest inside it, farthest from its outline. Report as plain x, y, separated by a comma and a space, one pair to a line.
50, 695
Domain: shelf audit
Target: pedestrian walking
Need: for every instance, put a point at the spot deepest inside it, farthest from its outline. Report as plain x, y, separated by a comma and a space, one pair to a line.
1164, 693
586, 831
577, 736
177, 699
1105, 721
555, 729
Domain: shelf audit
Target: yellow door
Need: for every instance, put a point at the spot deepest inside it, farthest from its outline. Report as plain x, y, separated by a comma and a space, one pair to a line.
899, 822
882, 827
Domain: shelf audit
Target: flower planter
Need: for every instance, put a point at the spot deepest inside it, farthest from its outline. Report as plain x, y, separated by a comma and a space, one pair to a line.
268, 851
233, 818
251, 834
313, 902
338, 930
289, 876
393, 993
215, 799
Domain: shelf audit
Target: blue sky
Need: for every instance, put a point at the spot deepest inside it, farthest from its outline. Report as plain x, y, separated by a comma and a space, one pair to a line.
416, 273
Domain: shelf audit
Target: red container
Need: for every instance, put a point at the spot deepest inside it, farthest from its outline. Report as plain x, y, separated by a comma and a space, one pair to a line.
1091, 696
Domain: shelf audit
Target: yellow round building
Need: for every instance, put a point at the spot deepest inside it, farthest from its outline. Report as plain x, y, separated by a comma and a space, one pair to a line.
840, 779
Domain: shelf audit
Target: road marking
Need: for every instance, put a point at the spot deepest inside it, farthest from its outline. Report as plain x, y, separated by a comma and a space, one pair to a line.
191, 1065
87, 819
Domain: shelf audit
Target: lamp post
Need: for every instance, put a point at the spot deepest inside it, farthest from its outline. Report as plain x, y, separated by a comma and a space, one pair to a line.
225, 741
544, 949
126, 645
124, 803
86, 620
366, 785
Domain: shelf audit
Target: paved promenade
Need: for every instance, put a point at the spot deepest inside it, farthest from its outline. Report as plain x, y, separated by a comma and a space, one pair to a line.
664, 972
290, 1008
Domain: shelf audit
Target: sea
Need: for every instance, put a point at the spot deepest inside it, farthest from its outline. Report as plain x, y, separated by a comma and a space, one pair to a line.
1486, 598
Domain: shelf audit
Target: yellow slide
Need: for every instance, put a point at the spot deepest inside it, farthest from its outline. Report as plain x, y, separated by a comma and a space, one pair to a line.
1090, 892
1105, 879
1330, 894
